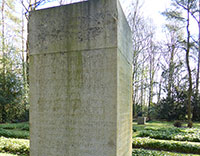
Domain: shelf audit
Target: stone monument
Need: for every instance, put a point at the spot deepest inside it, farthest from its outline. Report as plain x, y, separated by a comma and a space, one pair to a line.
141, 120
80, 80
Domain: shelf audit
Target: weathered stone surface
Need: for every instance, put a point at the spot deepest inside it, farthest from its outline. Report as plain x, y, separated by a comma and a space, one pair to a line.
141, 120
80, 80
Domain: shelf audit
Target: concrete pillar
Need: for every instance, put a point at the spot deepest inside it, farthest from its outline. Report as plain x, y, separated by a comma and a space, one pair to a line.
80, 80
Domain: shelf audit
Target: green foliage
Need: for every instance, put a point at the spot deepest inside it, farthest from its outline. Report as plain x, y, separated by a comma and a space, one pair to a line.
142, 152
19, 126
178, 134
12, 98
13, 93
196, 108
164, 136
14, 146
176, 146
177, 124
173, 108
14, 133
18, 130
5, 154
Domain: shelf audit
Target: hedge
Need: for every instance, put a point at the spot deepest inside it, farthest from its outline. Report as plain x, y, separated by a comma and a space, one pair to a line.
143, 152
14, 146
177, 134
176, 146
14, 133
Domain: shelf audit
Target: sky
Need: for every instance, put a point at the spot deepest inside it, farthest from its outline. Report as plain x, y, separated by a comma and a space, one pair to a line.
154, 8
151, 9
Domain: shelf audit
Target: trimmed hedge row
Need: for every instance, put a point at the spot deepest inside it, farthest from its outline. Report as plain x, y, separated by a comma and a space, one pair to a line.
14, 133
19, 126
14, 146
142, 152
178, 134
175, 146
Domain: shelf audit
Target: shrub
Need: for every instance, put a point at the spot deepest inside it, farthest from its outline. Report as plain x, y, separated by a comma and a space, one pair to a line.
179, 134
17, 130
19, 126
14, 133
142, 152
134, 130
14, 146
12, 95
172, 108
176, 146
177, 124
190, 124
6, 154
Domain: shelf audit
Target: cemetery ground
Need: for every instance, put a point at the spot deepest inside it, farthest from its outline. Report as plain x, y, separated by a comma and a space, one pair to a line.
163, 139
153, 139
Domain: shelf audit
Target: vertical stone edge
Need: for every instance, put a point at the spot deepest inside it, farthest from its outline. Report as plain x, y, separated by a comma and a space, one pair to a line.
124, 91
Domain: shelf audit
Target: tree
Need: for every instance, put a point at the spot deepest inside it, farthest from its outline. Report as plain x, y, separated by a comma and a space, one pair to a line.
189, 95
153, 67
11, 102
144, 60
185, 6
135, 21
3, 55
195, 13
172, 63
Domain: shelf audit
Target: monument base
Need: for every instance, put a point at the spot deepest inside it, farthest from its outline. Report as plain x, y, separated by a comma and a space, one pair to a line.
141, 120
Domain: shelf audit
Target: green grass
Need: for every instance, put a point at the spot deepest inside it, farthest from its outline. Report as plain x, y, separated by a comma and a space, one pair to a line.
142, 152
153, 124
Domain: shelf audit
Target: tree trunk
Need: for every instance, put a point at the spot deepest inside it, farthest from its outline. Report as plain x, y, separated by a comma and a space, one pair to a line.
151, 76
3, 114
23, 51
142, 87
189, 95
133, 95
196, 110
171, 70
159, 90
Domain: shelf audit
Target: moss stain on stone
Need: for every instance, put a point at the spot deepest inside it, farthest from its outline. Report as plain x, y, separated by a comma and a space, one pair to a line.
74, 79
